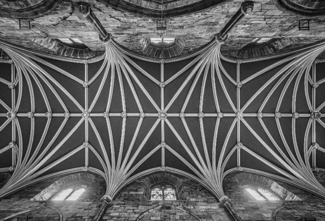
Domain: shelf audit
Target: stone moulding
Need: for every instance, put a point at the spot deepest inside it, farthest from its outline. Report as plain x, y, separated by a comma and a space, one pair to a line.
64, 50
177, 11
35, 11
304, 9
157, 5
164, 51
253, 50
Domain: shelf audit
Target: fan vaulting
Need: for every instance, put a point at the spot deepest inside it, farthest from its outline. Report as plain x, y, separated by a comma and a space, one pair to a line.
202, 116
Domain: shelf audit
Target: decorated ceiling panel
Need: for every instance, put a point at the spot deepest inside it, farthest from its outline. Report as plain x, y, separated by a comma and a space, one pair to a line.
122, 117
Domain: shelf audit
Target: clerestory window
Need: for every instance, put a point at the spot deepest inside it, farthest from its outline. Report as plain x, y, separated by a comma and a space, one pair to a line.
73, 42
261, 40
162, 40
70, 194
261, 194
163, 192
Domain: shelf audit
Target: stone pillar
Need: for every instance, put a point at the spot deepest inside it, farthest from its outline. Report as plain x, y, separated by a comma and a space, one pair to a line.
245, 8
105, 203
226, 203
86, 11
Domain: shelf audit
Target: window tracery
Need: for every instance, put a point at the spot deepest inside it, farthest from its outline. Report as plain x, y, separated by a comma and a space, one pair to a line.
163, 192
262, 194
70, 194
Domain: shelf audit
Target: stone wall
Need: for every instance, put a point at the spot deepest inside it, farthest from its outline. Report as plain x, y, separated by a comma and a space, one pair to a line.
133, 202
196, 29
84, 209
247, 208
194, 203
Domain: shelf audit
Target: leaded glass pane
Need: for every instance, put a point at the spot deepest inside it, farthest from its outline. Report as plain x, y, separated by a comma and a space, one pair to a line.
268, 195
156, 194
77, 40
169, 40
169, 194
62, 195
255, 194
66, 40
156, 40
76, 194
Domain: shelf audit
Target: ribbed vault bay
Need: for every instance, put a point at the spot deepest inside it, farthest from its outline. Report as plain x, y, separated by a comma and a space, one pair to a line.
124, 117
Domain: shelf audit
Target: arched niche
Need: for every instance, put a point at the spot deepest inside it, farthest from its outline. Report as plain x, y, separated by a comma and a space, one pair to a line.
310, 8
23, 9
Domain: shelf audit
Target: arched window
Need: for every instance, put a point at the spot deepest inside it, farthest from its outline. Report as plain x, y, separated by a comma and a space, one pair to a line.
163, 192
70, 194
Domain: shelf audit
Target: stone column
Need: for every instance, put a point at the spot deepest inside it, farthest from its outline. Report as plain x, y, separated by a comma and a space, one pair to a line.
104, 205
226, 203
86, 11
245, 8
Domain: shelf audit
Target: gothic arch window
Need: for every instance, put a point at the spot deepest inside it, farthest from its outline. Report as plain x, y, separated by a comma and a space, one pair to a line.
77, 181
71, 193
163, 191
302, 7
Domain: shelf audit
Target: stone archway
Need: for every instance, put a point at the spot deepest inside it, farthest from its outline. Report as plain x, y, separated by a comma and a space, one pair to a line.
27, 9
302, 7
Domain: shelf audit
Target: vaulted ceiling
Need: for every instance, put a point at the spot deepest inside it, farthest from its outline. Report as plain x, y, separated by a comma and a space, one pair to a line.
202, 116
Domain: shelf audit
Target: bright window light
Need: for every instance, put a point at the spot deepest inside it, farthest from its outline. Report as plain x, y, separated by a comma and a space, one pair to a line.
66, 40
77, 40
169, 40
162, 40
263, 40
169, 194
62, 195
156, 40
268, 195
156, 194
255, 194
76, 194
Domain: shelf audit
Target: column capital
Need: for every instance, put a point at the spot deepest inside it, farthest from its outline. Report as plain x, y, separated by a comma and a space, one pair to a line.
224, 199
84, 8
221, 39
247, 7
106, 199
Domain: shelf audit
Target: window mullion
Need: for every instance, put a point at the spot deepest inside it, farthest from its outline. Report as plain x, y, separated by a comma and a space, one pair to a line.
163, 193
74, 190
259, 193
